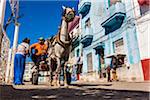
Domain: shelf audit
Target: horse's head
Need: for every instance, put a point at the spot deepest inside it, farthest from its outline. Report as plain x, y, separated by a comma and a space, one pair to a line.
68, 13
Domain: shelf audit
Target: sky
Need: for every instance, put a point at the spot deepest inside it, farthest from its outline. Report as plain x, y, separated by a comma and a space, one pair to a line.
40, 18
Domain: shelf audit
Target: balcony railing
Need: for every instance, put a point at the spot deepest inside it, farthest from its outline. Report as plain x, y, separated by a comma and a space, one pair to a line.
114, 17
87, 37
84, 7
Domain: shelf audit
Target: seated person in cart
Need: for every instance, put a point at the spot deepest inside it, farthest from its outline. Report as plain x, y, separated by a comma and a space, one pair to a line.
40, 51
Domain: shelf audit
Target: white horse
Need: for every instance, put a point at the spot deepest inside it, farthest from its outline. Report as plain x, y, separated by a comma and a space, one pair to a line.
60, 44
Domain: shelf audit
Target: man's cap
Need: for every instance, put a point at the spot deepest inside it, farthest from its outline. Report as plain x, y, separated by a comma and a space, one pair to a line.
41, 38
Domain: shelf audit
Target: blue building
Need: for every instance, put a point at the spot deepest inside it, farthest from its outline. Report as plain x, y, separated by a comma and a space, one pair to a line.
109, 35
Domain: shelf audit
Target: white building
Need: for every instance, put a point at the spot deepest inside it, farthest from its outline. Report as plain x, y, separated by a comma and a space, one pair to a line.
4, 43
4, 56
75, 34
28, 71
142, 17
2, 14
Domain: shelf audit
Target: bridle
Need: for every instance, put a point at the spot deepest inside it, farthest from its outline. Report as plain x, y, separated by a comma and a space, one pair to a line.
65, 15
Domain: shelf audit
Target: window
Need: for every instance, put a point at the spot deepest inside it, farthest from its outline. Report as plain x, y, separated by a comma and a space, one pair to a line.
111, 2
144, 6
119, 46
87, 23
144, 9
77, 52
89, 62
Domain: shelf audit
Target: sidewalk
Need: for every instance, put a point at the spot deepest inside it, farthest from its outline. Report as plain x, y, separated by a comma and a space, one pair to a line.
126, 86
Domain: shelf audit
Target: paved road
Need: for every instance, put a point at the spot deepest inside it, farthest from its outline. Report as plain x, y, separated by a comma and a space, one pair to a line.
74, 92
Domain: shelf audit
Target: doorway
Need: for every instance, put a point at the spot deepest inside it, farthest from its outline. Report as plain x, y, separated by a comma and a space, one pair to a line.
89, 63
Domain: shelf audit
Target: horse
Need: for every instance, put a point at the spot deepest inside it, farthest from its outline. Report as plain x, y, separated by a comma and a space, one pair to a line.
59, 46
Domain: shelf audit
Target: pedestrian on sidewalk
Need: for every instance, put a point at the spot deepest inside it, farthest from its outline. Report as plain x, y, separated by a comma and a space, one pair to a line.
108, 74
79, 67
19, 62
114, 74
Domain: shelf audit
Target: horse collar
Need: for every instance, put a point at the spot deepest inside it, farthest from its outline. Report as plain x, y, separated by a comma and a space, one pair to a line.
64, 45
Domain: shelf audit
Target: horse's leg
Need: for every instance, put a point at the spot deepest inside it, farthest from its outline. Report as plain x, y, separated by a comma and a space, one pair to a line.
62, 75
57, 72
50, 71
65, 76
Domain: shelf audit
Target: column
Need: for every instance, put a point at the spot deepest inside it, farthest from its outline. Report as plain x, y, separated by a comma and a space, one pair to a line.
15, 42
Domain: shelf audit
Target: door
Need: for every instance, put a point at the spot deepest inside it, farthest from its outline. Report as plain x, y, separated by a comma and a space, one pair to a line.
89, 62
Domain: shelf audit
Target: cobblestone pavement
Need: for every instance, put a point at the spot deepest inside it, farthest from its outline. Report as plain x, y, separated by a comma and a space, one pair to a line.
76, 91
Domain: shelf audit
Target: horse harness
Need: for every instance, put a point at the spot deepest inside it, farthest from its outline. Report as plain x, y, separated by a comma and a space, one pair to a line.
64, 45
57, 38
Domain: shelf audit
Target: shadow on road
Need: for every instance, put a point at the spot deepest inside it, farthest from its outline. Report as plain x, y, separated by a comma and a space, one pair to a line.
7, 92
83, 85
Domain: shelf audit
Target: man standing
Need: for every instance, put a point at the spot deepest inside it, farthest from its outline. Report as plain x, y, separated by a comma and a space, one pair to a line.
108, 74
40, 50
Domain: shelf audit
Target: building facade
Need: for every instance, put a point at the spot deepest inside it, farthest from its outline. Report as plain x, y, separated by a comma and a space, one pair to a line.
2, 14
142, 16
4, 56
75, 56
28, 71
4, 43
74, 32
110, 37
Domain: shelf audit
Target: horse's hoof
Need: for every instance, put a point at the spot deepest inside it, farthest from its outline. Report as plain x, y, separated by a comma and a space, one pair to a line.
55, 84
51, 84
58, 85
66, 85
61, 83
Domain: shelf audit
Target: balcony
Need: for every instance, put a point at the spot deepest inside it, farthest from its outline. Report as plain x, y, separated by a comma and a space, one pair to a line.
86, 40
84, 7
114, 17
87, 37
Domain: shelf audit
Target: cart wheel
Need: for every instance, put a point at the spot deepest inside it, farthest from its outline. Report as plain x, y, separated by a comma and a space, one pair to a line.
35, 78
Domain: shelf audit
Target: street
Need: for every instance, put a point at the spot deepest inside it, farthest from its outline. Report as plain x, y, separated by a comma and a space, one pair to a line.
98, 47
77, 91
